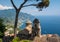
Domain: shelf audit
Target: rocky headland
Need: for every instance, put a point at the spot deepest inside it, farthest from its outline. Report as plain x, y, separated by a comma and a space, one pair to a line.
47, 38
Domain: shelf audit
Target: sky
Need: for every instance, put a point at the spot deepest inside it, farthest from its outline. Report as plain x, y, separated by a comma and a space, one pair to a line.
53, 9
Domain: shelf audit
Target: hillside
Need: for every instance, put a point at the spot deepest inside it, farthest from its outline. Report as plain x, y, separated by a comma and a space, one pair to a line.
9, 17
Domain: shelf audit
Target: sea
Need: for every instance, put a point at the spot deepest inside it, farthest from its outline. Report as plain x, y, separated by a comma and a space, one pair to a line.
49, 24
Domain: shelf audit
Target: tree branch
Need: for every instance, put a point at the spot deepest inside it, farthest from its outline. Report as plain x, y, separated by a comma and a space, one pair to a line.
22, 5
30, 5
13, 4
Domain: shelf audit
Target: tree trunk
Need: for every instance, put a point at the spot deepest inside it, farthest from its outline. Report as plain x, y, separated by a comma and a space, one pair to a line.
17, 13
15, 25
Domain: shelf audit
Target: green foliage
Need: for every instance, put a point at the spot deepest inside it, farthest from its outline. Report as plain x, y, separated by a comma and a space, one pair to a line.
43, 4
25, 41
2, 28
15, 39
0, 40
18, 40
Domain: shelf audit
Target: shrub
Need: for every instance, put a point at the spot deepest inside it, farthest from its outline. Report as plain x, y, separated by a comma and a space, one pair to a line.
2, 28
15, 39
0, 40
25, 41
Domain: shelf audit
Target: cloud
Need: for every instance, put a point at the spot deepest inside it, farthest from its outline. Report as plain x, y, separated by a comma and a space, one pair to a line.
5, 7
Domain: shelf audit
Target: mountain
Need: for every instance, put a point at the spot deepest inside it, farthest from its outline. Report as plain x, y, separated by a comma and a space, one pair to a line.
9, 17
